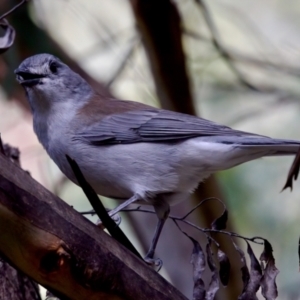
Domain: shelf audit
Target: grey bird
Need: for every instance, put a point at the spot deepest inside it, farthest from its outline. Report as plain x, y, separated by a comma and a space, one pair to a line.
128, 150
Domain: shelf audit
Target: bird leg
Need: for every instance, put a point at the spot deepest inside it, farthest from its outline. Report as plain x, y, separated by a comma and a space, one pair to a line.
158, 229
123, 205
162, 210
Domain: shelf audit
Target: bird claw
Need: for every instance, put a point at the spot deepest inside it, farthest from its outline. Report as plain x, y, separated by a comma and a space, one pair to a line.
116, 218
155, 263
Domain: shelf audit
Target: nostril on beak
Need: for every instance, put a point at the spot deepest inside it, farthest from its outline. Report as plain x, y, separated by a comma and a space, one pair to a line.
19, 77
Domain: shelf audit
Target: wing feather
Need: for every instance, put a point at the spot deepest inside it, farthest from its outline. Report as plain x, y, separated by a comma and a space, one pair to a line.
152, 125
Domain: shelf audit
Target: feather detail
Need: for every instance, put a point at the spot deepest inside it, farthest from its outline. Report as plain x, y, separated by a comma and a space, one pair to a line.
111, 121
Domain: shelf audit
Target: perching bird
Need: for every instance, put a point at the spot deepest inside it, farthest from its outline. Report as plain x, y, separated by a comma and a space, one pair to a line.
128, 150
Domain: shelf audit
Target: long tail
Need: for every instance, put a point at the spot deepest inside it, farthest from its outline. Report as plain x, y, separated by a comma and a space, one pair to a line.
258, 143
224, 152
273, 147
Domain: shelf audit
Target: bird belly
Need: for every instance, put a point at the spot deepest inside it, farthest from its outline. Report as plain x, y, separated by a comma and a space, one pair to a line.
120, 171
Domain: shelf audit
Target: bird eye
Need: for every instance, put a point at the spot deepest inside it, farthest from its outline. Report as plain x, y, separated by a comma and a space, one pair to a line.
53, 67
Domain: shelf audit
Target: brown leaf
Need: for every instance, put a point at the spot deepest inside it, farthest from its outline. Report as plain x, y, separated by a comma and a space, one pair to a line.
250, 290
8, 38
267, 254
255, 270
198, 262
214, 284
299, 253
220, 223
268, 281
224, 267
244, 270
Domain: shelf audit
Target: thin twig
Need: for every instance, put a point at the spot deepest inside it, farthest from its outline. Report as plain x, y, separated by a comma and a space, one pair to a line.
13, 9
207, 235
248, 60
216, 39
124, 61
210, 230
175, 219
199, 204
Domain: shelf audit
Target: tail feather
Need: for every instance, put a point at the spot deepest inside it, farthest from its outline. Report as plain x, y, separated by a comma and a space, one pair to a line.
275, 146
258, 143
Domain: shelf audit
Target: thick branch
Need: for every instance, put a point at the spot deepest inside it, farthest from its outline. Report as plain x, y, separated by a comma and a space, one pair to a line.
15, 285
159, 24
52, 243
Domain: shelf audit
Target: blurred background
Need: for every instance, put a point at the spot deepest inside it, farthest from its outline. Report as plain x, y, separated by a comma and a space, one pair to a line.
233, 62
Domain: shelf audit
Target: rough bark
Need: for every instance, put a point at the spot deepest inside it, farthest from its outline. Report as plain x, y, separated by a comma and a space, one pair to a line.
14, 285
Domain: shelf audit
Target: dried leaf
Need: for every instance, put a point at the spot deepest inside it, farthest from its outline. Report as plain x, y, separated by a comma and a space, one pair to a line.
214, 284
220, 223
244, 268
255, 270
250, 290
268, 281
293, 172
299, 252
198, 262
245, 272
197, 259
8, 38
267, 253
199, 290
224, 267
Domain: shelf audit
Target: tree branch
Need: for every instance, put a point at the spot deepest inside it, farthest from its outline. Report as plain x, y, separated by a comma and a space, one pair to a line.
161, 36
13, 9
219, 46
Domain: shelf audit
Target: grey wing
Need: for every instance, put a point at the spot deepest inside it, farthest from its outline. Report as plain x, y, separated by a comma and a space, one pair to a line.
152, 125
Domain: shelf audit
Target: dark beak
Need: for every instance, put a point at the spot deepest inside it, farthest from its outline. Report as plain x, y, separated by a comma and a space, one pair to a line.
26, 78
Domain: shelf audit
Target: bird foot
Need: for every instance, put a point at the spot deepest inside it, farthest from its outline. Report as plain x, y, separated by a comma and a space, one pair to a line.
155, 263
115, 218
